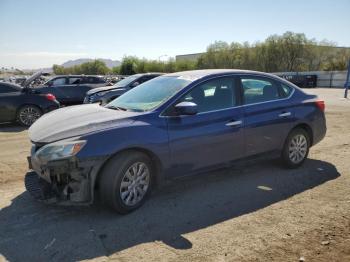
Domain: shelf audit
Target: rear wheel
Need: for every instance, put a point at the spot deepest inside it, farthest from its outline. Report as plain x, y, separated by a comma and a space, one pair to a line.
28, 114
296, 148
126, 181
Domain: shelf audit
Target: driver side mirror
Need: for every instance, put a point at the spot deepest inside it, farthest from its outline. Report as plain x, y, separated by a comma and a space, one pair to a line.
49, 84
186, 108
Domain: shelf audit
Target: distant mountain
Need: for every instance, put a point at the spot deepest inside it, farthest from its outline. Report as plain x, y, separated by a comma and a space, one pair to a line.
109, 62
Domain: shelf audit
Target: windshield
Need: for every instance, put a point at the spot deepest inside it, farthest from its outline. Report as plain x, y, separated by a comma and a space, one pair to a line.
150, 94
127, 80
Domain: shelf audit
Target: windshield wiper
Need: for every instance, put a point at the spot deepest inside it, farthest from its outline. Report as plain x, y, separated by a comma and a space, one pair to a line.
117, 108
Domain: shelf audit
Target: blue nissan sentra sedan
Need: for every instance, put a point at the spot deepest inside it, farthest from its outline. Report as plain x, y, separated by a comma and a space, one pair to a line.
173, 125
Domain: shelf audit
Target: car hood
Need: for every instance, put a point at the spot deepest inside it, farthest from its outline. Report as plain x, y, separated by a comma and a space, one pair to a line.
77, 121
32, 78
105, 88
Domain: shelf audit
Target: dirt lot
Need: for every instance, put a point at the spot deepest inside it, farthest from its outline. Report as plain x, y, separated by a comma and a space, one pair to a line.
258, 212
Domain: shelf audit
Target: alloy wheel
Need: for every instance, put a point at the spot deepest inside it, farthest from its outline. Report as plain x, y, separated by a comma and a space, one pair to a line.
135, 184
298, 148
28, 115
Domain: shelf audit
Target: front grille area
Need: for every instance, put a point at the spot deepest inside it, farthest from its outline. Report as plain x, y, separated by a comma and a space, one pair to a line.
37, 187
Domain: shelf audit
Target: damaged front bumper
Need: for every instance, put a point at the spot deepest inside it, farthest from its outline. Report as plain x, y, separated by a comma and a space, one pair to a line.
68, 181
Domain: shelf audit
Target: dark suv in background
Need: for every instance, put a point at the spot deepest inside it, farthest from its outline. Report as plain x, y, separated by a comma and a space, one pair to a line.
71, 89
104, 95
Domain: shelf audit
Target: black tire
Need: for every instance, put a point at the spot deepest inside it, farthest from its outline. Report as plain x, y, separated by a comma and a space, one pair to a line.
28, 114
114, 173
287, 156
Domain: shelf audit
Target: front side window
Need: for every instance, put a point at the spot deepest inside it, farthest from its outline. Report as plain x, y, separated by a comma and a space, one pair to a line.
59, 81
259, 89
216, 94
150, 94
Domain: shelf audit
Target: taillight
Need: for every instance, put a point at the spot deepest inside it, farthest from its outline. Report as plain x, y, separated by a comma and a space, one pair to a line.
50, 97
320, 104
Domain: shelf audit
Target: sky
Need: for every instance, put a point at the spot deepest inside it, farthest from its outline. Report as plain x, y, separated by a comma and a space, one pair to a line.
38, 33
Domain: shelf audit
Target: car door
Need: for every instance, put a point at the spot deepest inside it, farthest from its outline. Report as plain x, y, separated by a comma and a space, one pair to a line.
57, 87
9, 99
214, 135
76, 89
267, 114
97, 81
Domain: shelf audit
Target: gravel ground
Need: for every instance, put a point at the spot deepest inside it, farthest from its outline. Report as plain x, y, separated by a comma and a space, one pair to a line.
253, 212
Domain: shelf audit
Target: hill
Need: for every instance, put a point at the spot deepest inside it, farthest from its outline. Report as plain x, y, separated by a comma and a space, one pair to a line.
109, 62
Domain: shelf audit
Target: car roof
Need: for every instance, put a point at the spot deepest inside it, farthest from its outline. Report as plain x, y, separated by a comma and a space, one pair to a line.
151, 73
197, 74
78, 76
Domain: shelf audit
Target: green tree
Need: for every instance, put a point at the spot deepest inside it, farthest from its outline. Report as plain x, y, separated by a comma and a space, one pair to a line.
95, 67
129, 65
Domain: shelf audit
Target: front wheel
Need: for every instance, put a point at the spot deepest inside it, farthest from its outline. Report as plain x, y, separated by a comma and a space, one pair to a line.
296, 148
28, 114
126, 181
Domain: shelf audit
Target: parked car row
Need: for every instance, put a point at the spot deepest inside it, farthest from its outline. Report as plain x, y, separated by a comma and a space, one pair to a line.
27, 102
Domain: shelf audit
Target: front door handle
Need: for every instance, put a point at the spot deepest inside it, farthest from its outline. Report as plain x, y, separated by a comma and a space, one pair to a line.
285, 114
234, 123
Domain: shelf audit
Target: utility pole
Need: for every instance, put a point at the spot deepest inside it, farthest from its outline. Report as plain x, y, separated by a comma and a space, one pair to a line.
347, 82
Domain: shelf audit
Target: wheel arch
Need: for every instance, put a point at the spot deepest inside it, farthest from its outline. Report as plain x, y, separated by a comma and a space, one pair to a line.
307, 128
155, 159
29, 104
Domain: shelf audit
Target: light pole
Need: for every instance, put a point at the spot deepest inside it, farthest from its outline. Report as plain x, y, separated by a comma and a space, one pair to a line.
347, 83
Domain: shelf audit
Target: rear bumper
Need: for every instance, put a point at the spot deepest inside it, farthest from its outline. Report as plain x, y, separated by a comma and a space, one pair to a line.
319, 129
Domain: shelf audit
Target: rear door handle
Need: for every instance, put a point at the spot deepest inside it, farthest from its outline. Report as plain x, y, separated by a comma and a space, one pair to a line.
285, 114
234, 123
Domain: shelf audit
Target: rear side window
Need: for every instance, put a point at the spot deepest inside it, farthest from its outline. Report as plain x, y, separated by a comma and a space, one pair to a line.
259, 89
93, 80
99, 80
74, 80
285, 90
4, 88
